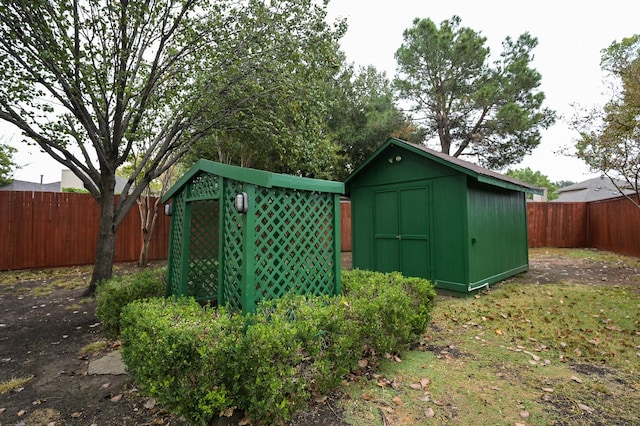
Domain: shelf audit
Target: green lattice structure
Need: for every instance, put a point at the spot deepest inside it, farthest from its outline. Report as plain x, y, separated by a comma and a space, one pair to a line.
288, 240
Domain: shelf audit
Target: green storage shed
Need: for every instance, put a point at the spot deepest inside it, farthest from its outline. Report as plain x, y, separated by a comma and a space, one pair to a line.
242, 235
430, 215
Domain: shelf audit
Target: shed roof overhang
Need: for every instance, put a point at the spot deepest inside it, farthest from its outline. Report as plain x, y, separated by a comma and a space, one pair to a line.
255, 177
473, 170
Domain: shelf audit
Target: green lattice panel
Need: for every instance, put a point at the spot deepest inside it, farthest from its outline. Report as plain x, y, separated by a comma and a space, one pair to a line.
294, 247
173, 281
233, 246
205, 186
204, 250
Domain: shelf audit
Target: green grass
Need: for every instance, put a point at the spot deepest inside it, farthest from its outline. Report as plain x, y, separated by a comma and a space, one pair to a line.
94, 347
530, 354
13, 384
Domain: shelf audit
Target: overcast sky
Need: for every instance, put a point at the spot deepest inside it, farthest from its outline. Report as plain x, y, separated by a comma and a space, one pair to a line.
571, 35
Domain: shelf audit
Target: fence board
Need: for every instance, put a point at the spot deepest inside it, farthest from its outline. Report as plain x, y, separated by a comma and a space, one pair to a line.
614, 225
345, 226
49, 229
557, 224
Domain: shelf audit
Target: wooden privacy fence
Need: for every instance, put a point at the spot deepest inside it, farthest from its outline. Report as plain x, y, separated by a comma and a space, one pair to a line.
49, 229
612, 225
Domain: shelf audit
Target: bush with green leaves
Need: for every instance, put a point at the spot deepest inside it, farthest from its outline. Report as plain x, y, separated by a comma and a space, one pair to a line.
112, 295
199, 362
391, 310
182, 354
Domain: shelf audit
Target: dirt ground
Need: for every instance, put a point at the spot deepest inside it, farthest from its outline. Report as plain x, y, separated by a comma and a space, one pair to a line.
42, 335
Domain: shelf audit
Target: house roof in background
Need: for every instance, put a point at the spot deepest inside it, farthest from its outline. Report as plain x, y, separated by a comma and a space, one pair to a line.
23, 185
599, 188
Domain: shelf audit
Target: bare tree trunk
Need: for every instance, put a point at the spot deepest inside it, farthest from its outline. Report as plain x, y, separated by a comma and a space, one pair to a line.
148, 216
106, 244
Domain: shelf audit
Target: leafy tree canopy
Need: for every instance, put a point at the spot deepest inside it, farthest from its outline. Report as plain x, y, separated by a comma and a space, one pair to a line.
535, 178
7, 165
363, 115
92, 82
609, 138
491, 111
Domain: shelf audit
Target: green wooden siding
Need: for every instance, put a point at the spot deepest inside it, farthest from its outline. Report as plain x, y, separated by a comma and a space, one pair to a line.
498, 234
414, 214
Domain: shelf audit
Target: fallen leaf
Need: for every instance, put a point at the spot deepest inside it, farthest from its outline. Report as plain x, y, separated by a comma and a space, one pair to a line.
416, 386
75, 414
116, 398
576, 379
228, 412
105, 385
2, 410
244, 422
425, 382
396, 358
367, 397
495, 388
498, 331
36, 402
438, 403
578, 352
22, 413
150, 403
320, 399
585, 408
425, 398
524, 414
429, 413
532, 362
547, 390
397, 400
363, 363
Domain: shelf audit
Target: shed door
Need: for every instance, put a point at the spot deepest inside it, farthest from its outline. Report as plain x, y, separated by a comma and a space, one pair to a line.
401, 231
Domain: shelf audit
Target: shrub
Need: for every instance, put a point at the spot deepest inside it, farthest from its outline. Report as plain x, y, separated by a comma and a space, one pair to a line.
113, 294
182, 354
391, 310
199, 362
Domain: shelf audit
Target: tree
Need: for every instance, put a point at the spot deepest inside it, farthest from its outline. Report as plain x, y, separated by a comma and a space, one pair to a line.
87, 80
363, 115
535, 178
609, 138
7, 165
493, 111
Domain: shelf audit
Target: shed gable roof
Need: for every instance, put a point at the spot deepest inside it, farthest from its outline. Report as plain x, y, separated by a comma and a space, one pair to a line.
255, 177
472, 170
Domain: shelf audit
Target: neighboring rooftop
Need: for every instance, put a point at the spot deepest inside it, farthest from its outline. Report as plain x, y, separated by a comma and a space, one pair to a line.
23, 185
68, 180
599, 188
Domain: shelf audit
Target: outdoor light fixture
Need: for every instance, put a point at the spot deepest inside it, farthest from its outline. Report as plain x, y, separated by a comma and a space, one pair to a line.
168, 209
242, 202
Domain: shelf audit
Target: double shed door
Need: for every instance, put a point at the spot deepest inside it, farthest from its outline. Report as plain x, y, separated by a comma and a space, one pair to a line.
401, 231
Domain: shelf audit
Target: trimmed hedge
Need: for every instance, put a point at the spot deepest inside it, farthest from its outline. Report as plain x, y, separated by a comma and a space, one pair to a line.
114, 294
199, 362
